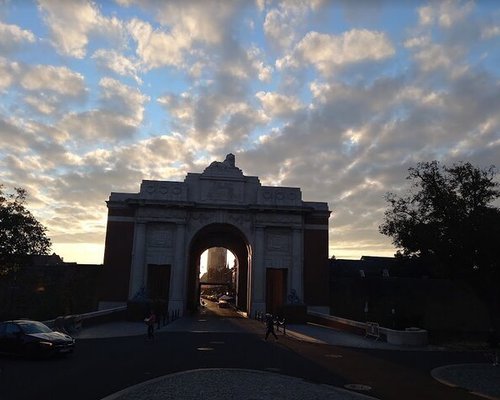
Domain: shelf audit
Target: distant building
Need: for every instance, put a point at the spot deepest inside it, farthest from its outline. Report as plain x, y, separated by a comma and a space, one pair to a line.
367, 266
217, 268
217, 258
375, 266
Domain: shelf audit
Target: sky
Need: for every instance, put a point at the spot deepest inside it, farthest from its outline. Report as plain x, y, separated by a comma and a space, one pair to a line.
338, 98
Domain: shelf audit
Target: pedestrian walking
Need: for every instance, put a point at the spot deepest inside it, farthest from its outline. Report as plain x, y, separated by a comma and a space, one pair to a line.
150, 322
270, 326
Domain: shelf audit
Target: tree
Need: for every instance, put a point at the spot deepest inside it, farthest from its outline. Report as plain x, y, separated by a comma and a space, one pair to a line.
447, 219
20, 233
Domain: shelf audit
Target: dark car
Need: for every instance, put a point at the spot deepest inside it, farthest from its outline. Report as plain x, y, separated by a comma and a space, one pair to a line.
32, 338
223, 304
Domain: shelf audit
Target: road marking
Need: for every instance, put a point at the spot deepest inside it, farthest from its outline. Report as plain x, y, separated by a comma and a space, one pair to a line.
334, 355
204, 348
358, 387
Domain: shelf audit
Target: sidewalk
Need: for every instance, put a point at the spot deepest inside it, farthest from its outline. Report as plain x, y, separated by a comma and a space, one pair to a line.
320, 334
481, 379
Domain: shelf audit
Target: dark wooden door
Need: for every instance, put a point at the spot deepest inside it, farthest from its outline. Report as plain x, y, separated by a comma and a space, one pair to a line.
158, 282
275, 289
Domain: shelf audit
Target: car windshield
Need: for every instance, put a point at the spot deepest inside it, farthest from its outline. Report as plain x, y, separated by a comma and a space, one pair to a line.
34, 327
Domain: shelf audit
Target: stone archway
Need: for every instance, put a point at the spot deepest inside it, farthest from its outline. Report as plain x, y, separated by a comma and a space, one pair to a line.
281, 241
218, 235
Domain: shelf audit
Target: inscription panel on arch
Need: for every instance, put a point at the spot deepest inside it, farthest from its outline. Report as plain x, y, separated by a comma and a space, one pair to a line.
163, 190
221, 191
278, 248
279, 196
160, 235
160, 242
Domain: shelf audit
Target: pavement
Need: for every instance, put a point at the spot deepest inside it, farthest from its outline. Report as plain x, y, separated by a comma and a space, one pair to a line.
480, 379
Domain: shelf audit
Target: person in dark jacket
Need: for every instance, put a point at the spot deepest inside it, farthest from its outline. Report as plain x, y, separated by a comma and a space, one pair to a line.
270, 326
150, 322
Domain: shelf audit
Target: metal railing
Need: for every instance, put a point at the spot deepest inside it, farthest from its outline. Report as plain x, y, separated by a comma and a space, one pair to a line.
74, 323
372, 329
168, 317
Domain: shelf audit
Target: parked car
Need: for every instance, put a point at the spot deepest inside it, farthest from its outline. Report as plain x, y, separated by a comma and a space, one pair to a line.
33, 338
223, 304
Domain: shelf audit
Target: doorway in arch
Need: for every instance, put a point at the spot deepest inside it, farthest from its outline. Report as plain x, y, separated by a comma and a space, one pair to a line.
222, 236
276, 289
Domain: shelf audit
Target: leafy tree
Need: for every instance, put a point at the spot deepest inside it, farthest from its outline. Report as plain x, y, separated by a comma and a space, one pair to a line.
20, 232
447, 219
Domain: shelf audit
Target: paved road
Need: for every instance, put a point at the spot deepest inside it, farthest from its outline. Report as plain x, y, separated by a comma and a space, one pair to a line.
101, 367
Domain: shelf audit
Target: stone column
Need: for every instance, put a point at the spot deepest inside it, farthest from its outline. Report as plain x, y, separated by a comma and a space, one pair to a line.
138, 267
178, 278
297, 281
258, 274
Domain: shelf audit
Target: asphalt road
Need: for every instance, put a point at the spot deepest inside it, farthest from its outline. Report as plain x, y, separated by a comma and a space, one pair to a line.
100, 367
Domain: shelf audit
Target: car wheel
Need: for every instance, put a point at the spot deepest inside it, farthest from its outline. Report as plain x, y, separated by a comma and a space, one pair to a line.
30, 351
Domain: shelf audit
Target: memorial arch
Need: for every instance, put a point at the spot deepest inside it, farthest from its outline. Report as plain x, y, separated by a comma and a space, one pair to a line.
155, 237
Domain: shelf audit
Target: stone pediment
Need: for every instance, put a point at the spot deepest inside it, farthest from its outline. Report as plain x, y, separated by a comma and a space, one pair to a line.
223, 169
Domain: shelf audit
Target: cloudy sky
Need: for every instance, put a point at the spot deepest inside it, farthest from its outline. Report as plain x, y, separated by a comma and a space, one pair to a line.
336, 98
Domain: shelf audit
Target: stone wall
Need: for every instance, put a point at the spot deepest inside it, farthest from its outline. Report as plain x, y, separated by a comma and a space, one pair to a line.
47, 291
438, 305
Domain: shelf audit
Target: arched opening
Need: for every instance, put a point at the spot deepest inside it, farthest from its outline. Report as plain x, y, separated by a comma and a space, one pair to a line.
218, 277
221, 236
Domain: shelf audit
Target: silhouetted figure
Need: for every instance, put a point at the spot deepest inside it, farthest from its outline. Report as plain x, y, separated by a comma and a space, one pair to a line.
270, 326
150, 322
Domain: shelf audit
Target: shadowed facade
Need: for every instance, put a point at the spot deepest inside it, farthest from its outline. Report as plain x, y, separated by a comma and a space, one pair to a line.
154, 240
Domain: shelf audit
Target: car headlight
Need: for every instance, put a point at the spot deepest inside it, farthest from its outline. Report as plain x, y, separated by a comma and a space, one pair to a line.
47, 344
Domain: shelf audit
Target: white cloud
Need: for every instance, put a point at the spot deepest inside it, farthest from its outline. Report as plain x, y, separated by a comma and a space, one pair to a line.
426, 15
123, 99
72, 22
60, 80
46, 89
450, 12
179, 107
97, 126
446, 13
281, 24
9, 72
489, 32
43, 104
12, 136
156, 48
276, 105
436, 56
12, 37
204, 21
211, 123
264, 71
185, 29
326, 51
118, 63
120, 114
417, 41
